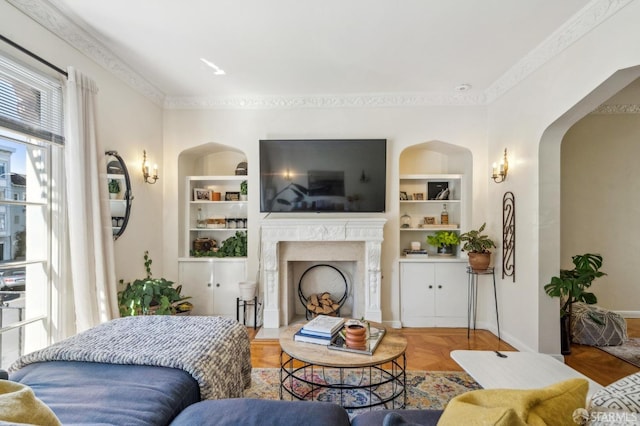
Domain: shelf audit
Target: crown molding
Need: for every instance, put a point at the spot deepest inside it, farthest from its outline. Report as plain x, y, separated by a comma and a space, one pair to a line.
51, 15
617, 109
362, 100
48, 13
589, 17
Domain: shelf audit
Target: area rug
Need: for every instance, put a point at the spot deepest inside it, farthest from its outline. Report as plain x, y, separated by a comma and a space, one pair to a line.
425, 389
628, 351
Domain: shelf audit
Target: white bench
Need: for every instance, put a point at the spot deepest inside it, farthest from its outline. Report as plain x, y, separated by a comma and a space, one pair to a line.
518, 370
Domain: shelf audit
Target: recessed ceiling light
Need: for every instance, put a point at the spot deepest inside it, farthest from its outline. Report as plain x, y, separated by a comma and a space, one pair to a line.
463, 87
216, 69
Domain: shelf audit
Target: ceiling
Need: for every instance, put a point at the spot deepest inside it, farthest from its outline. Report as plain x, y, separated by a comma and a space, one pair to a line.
290, 48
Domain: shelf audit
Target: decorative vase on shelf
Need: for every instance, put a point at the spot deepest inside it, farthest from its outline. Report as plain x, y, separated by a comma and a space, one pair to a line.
446, 250
405, 221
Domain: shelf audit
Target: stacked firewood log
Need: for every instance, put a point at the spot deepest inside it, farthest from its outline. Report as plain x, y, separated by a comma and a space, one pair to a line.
322, 303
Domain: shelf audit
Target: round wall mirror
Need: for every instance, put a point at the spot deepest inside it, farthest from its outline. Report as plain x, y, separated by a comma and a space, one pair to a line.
120, 196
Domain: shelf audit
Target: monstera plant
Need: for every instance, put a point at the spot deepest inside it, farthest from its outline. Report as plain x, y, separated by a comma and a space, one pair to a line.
572, 286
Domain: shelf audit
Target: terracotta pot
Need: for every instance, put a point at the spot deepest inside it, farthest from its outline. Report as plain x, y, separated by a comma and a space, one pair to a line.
479, 261
356, 336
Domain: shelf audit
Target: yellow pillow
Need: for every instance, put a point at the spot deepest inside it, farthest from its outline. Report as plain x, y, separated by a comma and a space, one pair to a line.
553, 405
18, 404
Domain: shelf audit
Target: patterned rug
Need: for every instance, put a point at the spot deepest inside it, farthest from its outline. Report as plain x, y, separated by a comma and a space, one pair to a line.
628, 351
431, 389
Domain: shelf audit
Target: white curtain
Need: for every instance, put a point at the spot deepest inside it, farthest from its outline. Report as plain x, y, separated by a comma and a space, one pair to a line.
91, 261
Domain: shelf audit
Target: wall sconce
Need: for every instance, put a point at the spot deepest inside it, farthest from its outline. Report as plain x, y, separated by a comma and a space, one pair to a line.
148, 177
499, 173
287, 175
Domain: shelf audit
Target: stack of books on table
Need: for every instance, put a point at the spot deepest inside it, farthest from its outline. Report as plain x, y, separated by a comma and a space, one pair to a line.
319, 330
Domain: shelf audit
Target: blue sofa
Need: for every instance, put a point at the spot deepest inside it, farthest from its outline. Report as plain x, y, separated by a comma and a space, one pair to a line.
260, 412
85, 393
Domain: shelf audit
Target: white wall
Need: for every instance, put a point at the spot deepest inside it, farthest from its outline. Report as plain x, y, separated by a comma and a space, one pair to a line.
600, 203
127, 122
531, 120
402, 127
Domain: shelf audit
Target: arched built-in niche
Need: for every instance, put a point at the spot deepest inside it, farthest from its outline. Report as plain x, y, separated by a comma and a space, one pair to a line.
203, 160
436, 158
549, 168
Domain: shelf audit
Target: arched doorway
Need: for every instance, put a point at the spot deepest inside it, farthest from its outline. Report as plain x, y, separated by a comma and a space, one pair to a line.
550, 198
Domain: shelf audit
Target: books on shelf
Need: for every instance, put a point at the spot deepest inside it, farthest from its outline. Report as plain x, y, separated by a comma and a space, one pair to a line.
324, 324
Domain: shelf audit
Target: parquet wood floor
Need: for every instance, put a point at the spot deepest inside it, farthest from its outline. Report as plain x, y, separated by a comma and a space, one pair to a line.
429, 348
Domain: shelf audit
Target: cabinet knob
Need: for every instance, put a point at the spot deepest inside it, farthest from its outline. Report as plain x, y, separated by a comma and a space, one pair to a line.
217, 284
208, 284
439, 286
430, 286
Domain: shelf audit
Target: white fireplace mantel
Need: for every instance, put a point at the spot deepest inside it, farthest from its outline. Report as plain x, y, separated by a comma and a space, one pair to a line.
367, 230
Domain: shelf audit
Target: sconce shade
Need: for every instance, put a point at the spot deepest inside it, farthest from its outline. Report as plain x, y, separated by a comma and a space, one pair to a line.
499, 171
150, 176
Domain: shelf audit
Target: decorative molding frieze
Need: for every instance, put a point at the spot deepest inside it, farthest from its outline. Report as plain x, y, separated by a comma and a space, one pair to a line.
50, 14
53, 15
596, 12
362, 100
617, 109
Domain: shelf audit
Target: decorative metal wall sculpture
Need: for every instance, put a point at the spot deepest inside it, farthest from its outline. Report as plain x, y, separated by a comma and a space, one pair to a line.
509, 235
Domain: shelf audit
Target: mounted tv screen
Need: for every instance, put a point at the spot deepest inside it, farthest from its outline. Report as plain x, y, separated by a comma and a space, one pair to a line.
337, 175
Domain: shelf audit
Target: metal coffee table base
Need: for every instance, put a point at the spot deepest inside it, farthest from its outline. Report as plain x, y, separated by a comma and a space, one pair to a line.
350, 387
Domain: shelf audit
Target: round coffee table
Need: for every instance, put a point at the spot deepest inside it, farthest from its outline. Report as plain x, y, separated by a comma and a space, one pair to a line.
314, 372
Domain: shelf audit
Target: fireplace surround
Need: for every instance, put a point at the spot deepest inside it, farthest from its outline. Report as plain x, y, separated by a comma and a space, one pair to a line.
323, 240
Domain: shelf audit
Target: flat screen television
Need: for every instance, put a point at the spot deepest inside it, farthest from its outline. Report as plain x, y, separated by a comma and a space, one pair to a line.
336, 175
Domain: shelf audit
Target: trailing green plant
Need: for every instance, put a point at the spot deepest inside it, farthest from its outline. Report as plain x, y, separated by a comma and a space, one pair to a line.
572, 284
244, 188
443, 239
114, 186
150, 296
235, 246
475, 242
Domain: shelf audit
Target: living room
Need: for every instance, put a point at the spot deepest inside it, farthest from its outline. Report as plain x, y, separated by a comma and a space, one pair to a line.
552, 85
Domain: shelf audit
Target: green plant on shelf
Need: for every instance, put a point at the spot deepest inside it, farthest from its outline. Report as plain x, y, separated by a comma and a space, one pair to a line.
443, 239
235, 246
114, 186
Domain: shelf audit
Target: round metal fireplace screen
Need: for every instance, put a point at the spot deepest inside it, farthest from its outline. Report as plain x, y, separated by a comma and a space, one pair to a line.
319, 279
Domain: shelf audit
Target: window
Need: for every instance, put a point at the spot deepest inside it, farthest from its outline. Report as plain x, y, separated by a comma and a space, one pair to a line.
30, 162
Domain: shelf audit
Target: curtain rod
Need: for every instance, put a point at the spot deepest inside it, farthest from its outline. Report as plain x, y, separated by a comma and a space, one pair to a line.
34, 56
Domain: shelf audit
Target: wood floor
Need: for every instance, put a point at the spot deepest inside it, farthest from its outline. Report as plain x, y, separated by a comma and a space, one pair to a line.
429, 348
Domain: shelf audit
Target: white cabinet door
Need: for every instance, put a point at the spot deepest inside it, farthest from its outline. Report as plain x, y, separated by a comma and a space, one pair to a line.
417, 294
451, 294
197, 279
433, 294
213, 285
226, 277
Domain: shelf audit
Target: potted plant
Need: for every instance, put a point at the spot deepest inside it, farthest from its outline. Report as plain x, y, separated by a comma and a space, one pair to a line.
477, 245
444, 241
244, 190
571, 286
234, 246
114, 188
152, 296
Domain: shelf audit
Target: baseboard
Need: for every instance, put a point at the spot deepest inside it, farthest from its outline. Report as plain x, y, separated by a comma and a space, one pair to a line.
628, 314
392, 324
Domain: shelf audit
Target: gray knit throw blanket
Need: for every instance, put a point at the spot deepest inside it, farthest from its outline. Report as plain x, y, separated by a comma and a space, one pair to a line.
214, 350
